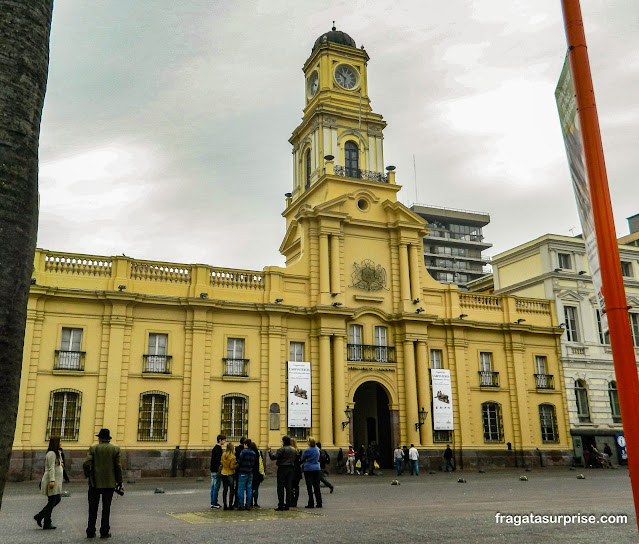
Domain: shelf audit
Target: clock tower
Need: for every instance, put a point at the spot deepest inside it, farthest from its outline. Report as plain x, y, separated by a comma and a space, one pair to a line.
338, 120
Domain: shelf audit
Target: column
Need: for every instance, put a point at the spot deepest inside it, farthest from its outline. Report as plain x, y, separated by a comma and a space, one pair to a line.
335, 268
414, 272
339, 402
117, 323
275, 378
404, 276
410, 387
326, 397
423, 389
198, 355
324, 264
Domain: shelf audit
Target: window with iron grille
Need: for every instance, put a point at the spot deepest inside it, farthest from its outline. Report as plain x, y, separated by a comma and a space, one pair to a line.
154, 416
236, 364
299, 433
615, 410
355, 350
64, 414
351, 159
308, 168
297, 352
548, 422
581, 397
381, 349
603, 338
626, 269
436, 358
493, 425
442, 436
70, 355
634, 327
234, 416
157, 359
570, 316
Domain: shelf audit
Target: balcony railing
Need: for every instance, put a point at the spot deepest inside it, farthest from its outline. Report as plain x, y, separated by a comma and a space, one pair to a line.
157, 364
371, 354
545, 381
68, 360
235, 367
488, 379
367, 175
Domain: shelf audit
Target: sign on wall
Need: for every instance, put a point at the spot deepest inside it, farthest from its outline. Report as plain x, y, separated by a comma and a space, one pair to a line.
299, 394
442, 400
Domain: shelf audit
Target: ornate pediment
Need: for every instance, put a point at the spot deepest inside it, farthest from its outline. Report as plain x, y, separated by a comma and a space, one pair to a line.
568, 295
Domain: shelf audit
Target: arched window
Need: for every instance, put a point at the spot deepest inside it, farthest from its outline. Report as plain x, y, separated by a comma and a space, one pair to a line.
614, 402
351, 159
64, 414
154, 416
548, 422
581, 396
493, 425
234, 416
307, 161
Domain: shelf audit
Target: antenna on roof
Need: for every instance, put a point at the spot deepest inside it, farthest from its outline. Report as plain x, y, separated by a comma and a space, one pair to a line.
333, 26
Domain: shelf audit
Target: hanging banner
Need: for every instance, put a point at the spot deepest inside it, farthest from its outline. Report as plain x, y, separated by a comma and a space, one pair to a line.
299, 394
567, 106
442, 400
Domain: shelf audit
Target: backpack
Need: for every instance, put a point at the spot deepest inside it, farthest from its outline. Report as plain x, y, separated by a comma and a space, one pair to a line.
325, 457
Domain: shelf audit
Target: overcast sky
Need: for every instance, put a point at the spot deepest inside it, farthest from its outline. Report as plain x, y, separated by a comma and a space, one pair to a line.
166, 123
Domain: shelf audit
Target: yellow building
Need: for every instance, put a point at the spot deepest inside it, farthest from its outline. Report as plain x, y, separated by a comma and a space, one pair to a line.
169, 355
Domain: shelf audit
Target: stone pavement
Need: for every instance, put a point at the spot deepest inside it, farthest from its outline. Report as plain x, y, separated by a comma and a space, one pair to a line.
431, 508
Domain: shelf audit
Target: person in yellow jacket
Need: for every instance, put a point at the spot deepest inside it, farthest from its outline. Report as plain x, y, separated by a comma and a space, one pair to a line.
228, 470
51, 484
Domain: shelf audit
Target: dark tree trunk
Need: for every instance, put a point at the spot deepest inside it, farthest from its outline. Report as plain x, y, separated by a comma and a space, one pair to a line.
24, 62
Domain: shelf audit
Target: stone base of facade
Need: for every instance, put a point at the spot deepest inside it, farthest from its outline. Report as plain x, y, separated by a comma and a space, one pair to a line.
29, 464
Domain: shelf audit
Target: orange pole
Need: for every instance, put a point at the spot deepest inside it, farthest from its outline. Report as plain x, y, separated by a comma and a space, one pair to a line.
614, 294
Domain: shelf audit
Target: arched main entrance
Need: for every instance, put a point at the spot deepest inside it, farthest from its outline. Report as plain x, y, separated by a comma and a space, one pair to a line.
372, 421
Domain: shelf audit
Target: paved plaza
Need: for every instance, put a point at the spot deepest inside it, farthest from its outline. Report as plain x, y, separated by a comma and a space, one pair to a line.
429, 508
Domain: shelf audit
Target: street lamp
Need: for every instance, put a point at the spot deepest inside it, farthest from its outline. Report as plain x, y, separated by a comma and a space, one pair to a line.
422, 418
349, 415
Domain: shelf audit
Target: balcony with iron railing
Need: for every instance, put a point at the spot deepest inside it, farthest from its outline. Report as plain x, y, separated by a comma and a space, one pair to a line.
370, 354
68, 360
157, 364
235, 367
488, 378
366, 175
544, 381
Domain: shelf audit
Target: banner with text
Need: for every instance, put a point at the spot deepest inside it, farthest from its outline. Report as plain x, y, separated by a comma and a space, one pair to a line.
442, 400
299, 394
567, 106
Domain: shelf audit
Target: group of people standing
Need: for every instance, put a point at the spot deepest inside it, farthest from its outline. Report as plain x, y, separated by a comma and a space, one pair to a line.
102, 467
240, 470
363, 461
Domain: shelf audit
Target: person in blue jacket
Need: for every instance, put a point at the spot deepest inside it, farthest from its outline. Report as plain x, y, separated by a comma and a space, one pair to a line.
311, 469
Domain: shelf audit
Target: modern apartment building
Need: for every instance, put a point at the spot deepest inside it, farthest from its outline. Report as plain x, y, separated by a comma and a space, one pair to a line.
453, 247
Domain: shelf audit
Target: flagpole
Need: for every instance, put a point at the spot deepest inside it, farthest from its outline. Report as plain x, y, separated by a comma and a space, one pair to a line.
612, 282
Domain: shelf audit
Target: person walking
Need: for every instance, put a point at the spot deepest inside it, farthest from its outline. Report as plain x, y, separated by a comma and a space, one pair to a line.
413, 456
258, 475
362, 460
285, 460
406, 459
216, 462
398, 455
448, 455
311, 468
245, 476
324, 460
228, 472
51, 483
350, 460
372, 458
297, 473
102, 466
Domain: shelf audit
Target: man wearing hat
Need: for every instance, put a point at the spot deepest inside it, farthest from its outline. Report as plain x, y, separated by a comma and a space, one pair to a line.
103, 468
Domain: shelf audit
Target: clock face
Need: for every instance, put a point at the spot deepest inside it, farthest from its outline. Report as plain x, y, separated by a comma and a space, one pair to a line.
346, 76
313, 84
